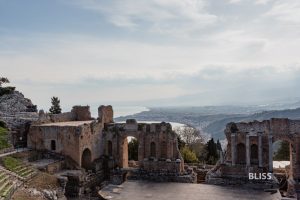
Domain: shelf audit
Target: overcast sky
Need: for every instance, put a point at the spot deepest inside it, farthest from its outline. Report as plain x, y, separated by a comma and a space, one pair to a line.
151, 52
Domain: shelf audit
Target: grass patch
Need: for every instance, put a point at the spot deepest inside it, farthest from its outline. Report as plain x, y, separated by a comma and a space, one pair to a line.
11, 163
4, 138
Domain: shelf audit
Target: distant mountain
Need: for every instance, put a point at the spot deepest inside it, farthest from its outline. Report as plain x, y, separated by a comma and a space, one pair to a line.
212, 119
216, 128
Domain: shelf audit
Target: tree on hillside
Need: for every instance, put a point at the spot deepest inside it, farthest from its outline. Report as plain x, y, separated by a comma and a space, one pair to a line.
212, 152
283, 152
55, 108
191, 142
189, 134
3, 80
219, 146
5, 90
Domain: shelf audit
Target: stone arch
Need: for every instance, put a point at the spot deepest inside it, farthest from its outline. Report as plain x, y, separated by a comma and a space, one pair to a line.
254, 154
53, 145
163, 153
124, 151
241, 153
86, 159
153, 150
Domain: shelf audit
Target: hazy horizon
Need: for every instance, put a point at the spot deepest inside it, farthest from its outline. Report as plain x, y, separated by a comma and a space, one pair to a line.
152, 52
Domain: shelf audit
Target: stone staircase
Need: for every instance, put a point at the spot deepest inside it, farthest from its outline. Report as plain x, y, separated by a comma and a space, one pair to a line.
8, 184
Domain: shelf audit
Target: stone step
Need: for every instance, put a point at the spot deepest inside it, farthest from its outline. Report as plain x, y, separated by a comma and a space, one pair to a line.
7, 190
26, 173
17, 167
21, 170
4, 178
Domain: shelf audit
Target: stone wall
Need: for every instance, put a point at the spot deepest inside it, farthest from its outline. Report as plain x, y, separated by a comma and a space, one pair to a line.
105, 114
262, 134
81, 113
167, 165
78, 113
157, 142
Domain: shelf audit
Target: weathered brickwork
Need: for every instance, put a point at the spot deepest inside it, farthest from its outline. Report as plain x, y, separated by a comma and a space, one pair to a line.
250, 148
158, 147
76, 135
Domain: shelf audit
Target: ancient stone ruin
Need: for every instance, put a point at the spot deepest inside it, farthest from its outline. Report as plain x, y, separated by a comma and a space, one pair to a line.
250, 150
101, 144
17, 113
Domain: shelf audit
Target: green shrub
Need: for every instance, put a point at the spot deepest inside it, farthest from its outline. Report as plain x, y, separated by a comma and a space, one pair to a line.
11, 163
188, 155
4, 138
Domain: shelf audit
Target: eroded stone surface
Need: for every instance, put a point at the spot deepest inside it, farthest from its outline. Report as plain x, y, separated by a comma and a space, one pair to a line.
140, 190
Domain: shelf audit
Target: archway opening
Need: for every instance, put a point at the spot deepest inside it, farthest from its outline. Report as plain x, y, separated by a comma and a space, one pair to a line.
152, 150
282, 164
109, 148
254, 154
53, 145
133, 152
163, 153
86, 159
241, 154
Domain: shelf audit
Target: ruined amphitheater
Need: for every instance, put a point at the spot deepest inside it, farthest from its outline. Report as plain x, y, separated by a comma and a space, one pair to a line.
87, 154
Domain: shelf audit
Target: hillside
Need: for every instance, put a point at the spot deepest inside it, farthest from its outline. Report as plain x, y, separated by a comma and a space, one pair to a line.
212, 120
16, 110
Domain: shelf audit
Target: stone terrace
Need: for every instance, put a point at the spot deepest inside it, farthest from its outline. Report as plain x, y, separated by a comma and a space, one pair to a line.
69, 123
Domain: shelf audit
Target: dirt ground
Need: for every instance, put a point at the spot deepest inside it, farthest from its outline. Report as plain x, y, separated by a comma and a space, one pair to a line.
40, 181
23, 195
43, 181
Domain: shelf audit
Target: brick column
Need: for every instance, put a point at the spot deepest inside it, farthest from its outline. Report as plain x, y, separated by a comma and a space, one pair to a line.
247, 151
270, 137
233, 149
260, 163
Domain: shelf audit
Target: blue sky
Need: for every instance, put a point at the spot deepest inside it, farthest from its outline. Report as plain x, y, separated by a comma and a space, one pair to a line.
151, 52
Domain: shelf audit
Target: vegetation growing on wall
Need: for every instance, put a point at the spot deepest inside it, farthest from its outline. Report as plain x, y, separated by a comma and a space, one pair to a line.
5, 90
4, 138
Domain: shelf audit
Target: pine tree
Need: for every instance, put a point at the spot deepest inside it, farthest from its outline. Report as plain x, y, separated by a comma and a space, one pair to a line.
212, 155
283, 152
219, 146
55, 108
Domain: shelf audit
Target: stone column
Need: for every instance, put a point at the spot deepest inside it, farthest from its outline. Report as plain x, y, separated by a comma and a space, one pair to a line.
270, 153
260, 164
297, 147
233, 149
247, 151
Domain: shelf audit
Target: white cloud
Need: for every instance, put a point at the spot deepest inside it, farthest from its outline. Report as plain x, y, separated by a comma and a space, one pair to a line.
263, 2
286, 11
154, 15
204, 48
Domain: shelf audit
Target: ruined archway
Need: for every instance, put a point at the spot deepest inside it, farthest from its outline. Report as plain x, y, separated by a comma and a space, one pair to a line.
86, 159
163, 153
109, 148
153, 150
133, 152
241, 153
254, 154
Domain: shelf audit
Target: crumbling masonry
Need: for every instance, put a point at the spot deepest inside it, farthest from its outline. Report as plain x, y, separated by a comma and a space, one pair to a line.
83, 139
